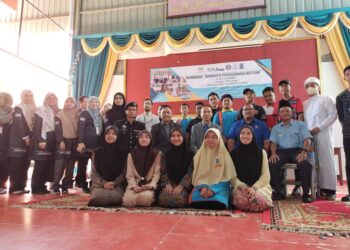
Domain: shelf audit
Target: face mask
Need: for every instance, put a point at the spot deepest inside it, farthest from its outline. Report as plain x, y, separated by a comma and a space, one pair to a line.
312, 91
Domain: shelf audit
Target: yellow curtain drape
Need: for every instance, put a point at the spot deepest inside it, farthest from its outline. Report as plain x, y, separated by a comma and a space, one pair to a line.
244, 37
111, 63
279, 34
182, 43
338, 50
345, 19
150, 47
94, 51
215, 39
121, 49
319, 30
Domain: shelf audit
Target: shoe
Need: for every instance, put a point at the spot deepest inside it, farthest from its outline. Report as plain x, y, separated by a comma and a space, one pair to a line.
18, 192
44, 191
277, 196
307, 198
346, 198
296, 191
330, 197
65, 191
86, 190
3, 190
56, 191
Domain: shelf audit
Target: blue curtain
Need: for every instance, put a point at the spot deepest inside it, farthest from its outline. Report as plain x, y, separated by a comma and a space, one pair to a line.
88, 76
149, 37
121, 40
346, 36
280, 23
319, 21
178, 34
210, 31
244, 27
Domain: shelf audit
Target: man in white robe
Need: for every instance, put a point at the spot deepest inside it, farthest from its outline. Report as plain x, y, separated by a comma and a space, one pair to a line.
320, 114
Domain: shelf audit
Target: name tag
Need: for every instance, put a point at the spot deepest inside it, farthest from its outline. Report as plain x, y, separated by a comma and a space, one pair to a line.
82, 119
18, 115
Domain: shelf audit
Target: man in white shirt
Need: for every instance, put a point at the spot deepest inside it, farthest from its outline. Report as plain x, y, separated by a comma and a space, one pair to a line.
147, 117
320, 114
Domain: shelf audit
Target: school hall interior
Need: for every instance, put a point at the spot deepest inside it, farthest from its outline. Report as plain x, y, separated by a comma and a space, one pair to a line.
160, 124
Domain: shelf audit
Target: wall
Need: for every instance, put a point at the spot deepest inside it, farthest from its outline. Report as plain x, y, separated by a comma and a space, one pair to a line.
105, 16
287, 62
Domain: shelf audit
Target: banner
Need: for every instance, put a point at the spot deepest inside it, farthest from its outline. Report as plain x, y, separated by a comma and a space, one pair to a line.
177, 8
191, 83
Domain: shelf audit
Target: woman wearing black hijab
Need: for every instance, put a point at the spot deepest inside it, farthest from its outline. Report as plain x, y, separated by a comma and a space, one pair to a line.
143, 173
117, 112
176, 172
251, 188
107, 174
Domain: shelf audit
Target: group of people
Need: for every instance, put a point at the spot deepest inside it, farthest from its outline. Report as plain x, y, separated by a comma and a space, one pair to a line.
220, 158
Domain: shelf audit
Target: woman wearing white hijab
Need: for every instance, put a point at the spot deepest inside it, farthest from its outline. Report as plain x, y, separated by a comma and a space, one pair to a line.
20, 141
44, 143
5, 124
213, 170
90, 127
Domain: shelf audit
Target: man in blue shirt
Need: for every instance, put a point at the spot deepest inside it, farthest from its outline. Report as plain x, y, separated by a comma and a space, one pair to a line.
290, 143
227, 116
185, 119
261, 131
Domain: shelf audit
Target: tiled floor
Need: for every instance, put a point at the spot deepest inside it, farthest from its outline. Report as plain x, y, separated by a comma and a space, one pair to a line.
24, 228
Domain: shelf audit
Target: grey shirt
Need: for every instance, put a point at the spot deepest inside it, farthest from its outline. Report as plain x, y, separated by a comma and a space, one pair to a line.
197, 134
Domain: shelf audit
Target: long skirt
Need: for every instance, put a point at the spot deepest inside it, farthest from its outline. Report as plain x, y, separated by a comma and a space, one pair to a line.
169, 200
143, 199
219, 200
261, 201
101, 197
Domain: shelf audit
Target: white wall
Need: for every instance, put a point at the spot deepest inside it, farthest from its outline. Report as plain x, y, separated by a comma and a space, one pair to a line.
332, 86
117, 85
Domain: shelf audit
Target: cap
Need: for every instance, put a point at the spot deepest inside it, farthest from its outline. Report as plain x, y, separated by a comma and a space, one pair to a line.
247, 90
312, 79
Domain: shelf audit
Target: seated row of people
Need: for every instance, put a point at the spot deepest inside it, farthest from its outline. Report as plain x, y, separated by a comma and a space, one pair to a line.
179, 178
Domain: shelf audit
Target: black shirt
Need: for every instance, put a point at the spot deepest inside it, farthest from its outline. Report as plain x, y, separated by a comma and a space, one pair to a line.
128, 133
192, 123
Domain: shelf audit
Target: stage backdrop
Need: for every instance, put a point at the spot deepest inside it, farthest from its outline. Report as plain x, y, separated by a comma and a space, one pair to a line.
294, 60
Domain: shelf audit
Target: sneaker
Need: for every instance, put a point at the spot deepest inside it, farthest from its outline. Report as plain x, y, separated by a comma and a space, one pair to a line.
3, 190
296, 191
277, 196
56, 191
346, 198
307, 198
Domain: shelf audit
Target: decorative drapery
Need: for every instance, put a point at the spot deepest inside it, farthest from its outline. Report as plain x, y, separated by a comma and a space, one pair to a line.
335, 26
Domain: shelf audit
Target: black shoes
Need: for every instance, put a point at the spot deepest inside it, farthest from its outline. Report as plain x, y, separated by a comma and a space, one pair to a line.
56, 191
277, 196
43, 191
307, 198
296, 191
346, 198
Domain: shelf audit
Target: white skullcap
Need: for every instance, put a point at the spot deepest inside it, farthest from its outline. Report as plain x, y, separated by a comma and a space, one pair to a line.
312, 79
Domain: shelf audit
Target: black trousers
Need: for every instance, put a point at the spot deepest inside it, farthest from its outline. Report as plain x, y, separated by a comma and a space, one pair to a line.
346, 143
60, 166
81, 174
4, 172
289, 156
40, 175
18, 169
